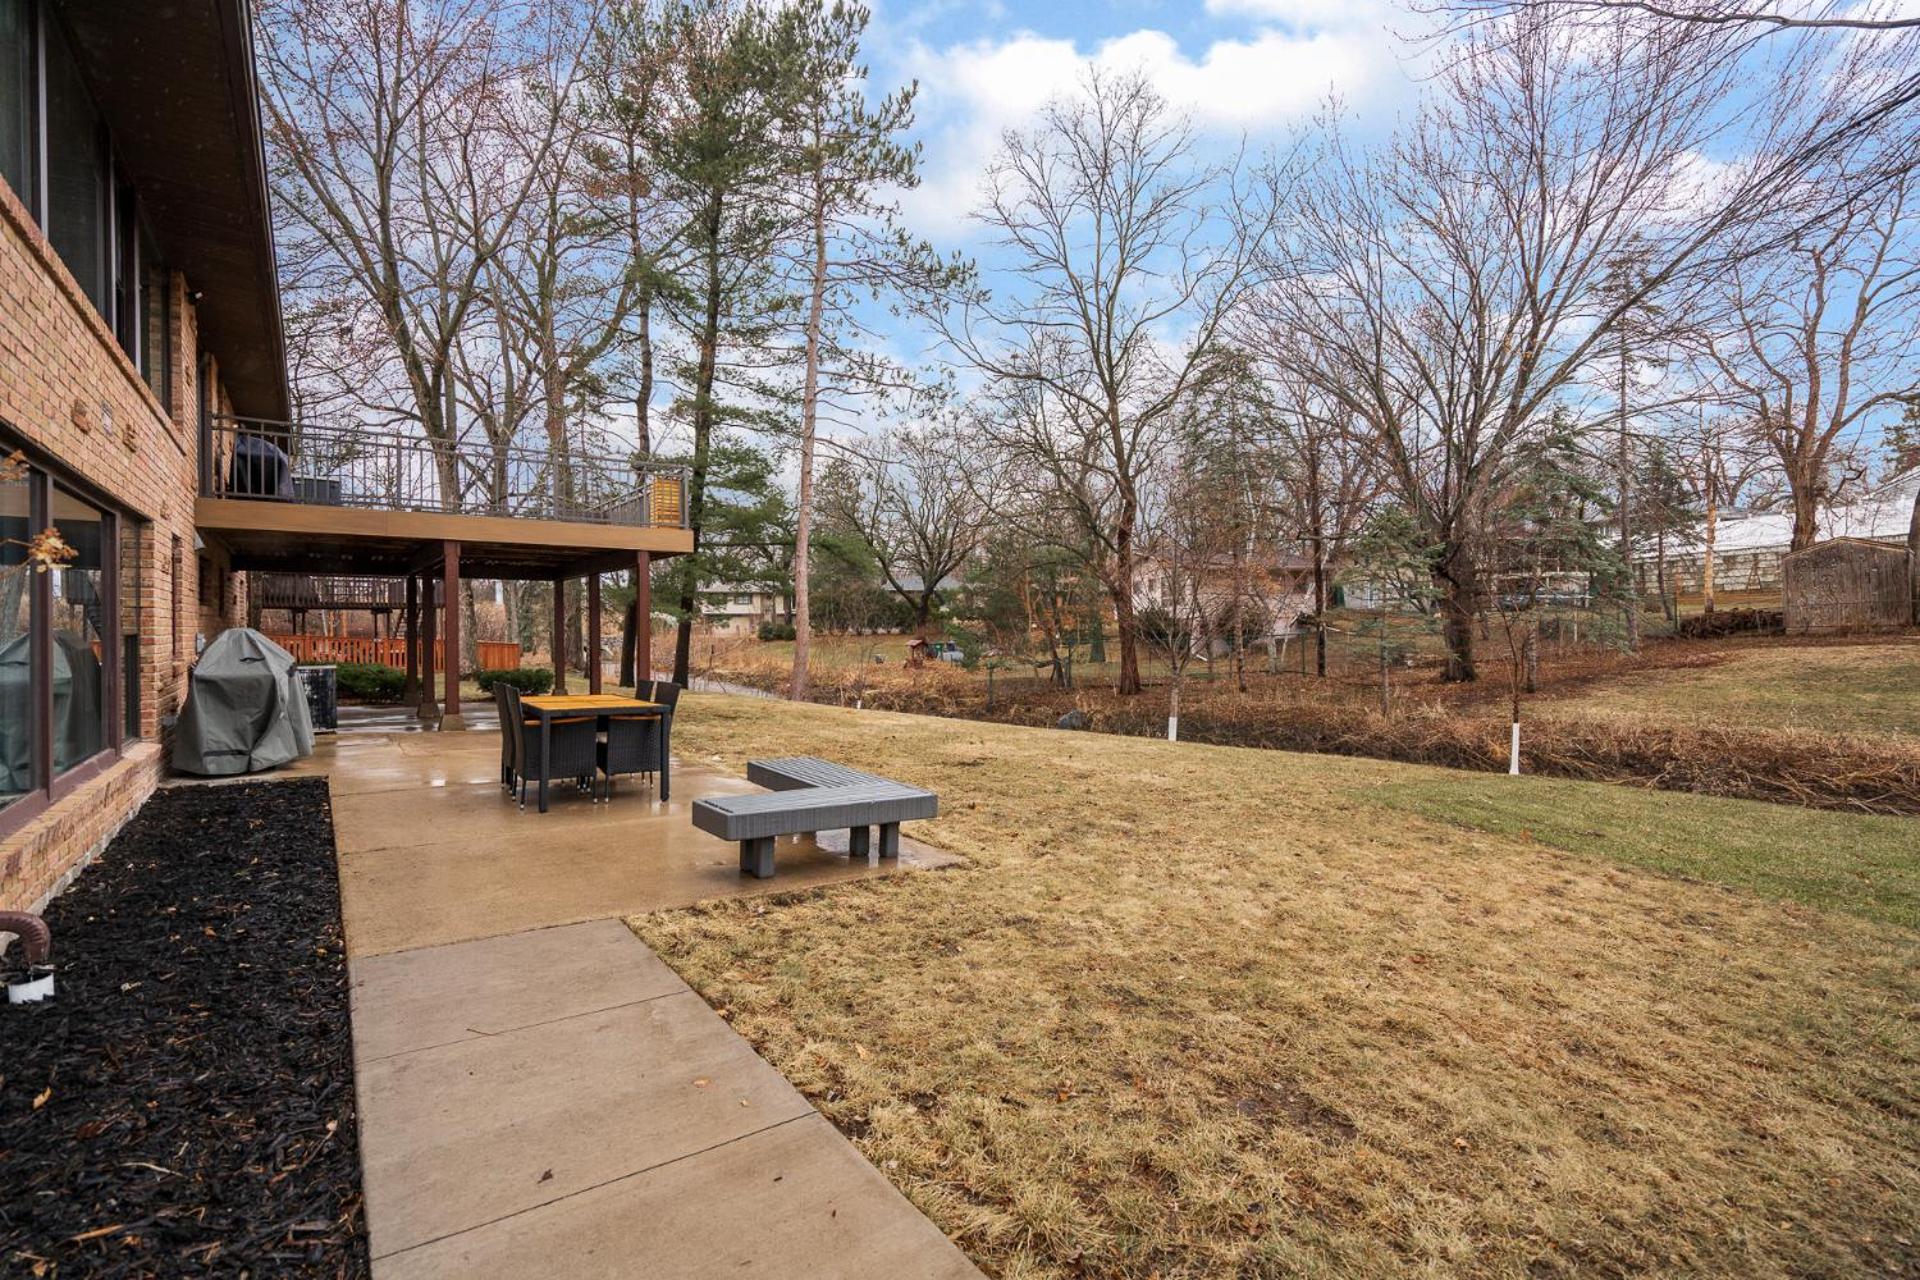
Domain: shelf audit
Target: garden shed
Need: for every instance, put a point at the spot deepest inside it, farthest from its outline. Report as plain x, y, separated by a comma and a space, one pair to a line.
1848, 584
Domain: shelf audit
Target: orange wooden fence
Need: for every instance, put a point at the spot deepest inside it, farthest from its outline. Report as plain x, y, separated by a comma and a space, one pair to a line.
390, 651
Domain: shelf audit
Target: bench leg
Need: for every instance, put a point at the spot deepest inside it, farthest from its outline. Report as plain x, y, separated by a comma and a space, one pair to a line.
890, 840
756, 857
858, 842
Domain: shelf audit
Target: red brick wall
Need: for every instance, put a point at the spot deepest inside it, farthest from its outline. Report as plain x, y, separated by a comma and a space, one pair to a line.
66, 386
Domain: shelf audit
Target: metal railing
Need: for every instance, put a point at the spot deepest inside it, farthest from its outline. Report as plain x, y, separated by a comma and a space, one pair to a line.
324, 591
354, 466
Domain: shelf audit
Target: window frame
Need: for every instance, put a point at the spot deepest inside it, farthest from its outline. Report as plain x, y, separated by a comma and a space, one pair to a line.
44, 474
124, 234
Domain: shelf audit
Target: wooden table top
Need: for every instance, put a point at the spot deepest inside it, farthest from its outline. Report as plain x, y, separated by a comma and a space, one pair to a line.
576, 702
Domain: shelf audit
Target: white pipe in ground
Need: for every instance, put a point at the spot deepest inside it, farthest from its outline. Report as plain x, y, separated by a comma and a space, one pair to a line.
1513, 752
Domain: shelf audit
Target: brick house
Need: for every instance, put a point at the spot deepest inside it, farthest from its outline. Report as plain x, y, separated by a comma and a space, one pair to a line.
136, 267
143, 398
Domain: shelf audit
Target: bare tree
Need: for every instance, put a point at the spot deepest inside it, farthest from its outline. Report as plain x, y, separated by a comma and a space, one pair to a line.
1825, 326
913, 504
1114, 232
845, 155
387, 122
1448, 292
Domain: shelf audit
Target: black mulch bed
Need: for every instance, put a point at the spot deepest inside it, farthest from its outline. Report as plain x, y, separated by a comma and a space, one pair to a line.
184, 1106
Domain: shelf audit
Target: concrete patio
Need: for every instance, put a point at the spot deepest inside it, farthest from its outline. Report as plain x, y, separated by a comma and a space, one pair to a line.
432, 851
538, 1092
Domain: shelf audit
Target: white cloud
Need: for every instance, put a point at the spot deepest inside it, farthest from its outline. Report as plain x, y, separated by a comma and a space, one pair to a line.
970, 93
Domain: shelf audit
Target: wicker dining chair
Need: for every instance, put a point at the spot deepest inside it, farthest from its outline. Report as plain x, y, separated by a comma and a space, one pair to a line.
632, 745
664, 692
575, 742
509, 737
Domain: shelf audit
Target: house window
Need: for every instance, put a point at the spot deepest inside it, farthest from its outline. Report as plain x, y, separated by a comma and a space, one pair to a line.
176, 589
132, 577
77, 170
156, 322
50, 128
64, 670
80, 596
18, 725
18, 126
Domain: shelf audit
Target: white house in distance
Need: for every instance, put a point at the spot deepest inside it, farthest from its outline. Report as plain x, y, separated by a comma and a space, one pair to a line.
1750, 546
734, 609
1275, 586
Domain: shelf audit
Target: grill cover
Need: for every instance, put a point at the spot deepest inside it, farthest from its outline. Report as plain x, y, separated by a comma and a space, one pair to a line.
246, 710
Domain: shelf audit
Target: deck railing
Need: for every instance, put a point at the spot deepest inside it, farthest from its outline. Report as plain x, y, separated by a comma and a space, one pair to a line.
353, 466
391, 651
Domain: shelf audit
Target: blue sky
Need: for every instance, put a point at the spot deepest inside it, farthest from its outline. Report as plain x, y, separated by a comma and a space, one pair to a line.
1241, 68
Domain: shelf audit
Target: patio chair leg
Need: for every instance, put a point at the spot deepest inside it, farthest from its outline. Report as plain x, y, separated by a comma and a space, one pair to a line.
890, 840
756, 857
858, 842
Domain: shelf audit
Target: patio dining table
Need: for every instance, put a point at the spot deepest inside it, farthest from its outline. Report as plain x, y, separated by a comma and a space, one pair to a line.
602, 706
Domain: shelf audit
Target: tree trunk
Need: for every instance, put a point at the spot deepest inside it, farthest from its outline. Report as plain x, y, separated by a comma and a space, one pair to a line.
1122, 592
1913, 554
702, 435
1625, 461
1319, 607
809, 418
629, 637
1806, 516
1458, 587
1706, 563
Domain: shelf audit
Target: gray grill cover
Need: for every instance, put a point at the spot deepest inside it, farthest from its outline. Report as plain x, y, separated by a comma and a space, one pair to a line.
245, 708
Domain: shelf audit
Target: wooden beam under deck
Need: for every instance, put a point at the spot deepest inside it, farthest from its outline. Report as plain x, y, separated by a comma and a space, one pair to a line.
305, 538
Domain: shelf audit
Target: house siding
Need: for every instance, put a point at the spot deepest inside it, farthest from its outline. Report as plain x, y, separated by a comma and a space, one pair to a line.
68, 389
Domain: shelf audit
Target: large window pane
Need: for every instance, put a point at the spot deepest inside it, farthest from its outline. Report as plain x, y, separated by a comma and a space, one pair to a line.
126, 283
130, 580
156, 338
16, 98
17, 721
79, 635
76, 172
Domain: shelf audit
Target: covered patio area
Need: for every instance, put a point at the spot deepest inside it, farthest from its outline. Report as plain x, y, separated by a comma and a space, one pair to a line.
432, 850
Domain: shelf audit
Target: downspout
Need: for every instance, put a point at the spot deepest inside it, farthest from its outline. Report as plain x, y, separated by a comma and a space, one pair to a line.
36, 940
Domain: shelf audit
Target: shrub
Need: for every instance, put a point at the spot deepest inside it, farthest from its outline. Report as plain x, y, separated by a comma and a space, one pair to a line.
369, 681
535, 680
776, 631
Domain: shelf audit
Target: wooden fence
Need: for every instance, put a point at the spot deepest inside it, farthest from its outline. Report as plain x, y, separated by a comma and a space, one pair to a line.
493, 655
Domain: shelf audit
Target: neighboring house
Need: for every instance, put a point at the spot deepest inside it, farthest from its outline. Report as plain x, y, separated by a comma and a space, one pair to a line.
143, 398
1275, 589
1750, 547
730, 609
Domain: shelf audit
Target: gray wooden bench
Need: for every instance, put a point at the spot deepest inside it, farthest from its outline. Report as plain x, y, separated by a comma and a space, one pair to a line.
807, 794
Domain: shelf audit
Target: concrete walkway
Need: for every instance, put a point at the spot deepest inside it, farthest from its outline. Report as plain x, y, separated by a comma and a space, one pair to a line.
555, 1101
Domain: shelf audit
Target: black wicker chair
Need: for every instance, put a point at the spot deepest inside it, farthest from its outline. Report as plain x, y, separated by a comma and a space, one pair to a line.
509, 737
575, 743
632, 745
664, 692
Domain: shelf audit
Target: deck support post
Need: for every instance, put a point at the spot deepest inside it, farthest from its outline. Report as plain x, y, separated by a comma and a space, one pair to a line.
559, 635
593, 633
410, 691
642, 620
756, 857
889, 840
450, 573
859, 842
430, 634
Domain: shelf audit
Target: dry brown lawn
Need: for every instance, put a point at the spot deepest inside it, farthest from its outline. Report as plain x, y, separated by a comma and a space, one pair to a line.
1838, 688
1202, 1011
